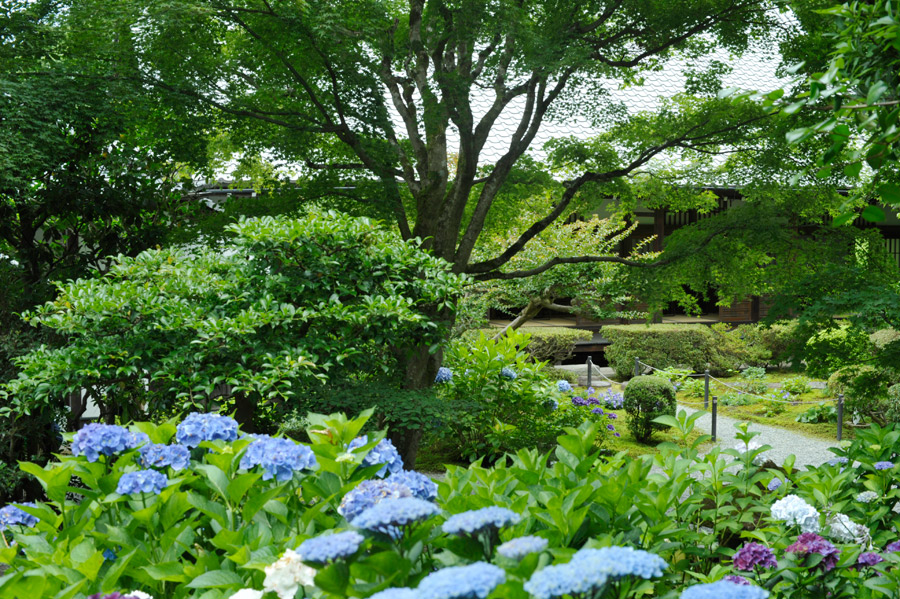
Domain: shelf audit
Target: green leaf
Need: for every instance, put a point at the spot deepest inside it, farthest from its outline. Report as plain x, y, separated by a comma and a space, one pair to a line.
890, 193
843, 219
334, 578
853, 169
170, 571
216, 579
876, 91
216, 477
873, 214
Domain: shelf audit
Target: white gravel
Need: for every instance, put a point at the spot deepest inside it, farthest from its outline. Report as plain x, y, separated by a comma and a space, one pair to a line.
808, 450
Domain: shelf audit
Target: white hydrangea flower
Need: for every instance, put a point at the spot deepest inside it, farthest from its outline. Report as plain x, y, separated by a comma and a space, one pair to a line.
845, 530
750, 446
140, 595
347, 456
867, 497
287, 575
793, 511
247, 594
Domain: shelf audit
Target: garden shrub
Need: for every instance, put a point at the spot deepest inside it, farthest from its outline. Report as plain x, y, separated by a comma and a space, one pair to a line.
830, 349
561, 374
771, 343
660, 345
497, 393
865, 390
796, 385
286, 302
647, 398
674, 345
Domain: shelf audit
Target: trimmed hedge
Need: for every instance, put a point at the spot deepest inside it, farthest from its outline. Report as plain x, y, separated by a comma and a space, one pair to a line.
646, 398
660, 345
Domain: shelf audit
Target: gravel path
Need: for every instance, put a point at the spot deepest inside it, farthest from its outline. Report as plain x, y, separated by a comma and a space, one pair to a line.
810, 451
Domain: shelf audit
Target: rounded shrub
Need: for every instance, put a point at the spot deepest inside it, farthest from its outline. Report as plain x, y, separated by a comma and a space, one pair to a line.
840, 379
828, 350
646, 398
892, 413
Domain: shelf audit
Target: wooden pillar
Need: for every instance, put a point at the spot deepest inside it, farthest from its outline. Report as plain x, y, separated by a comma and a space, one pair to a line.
659, 228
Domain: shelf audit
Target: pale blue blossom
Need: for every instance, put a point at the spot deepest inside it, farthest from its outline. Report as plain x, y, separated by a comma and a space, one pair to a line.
421, 485
475, 581
326, 548
368, 493
474, 521
197, 428
142, 481
793, 511
384, 453
519, 547
389, 515
622, 561
724, 589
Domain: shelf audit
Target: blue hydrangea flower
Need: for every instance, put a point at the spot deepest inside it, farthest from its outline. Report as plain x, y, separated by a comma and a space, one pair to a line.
142, 481
387, 515
420, 485
567, 579
774, 484
883, 465
613, 399
109, 555
621, 561
12, 515
475, 581
383, 453
197, 428
552, 405
326, 548
508, 373
95, 440
564, 386
724, 589
444, 375
395, 593
160, 456
838, 460
280, 458
368, 493
520, 547
474, 521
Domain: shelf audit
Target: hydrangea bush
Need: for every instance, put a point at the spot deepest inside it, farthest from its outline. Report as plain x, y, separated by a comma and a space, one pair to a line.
568, 524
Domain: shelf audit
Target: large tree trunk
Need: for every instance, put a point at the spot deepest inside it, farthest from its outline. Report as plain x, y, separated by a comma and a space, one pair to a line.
420, 369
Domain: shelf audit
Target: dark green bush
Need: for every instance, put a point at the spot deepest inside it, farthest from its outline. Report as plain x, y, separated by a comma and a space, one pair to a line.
561, 374
646, 398
865, 391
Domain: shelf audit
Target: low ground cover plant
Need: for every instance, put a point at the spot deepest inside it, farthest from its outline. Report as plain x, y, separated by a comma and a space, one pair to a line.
198, 509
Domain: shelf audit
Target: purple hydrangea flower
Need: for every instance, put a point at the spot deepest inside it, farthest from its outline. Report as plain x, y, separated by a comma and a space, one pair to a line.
883, 465
280, 458
12, 515
475, 521
384, 453
840, 460
809, 542
752, 556
736, 579
369, 493
598, 411
197, 428
613, 399
612, 415
95, 440
142, 481
420, 485
444, 375
868, 559
160, 456
893, 546
774, 484
610, 427
326, 548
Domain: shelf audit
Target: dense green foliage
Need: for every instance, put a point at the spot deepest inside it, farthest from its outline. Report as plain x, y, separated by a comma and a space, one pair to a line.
646, 399
217, 527
502, 399
830, 349
286, 302
545, 344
